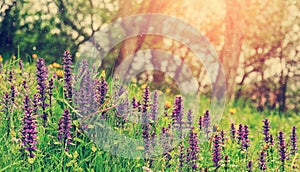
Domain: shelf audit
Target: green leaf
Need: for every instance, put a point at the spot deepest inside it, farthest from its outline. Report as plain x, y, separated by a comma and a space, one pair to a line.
68, 155
75, 155
78, 140
69, 164
76, 123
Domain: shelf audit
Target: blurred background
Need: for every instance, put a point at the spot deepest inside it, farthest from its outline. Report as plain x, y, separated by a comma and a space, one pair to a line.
257, 41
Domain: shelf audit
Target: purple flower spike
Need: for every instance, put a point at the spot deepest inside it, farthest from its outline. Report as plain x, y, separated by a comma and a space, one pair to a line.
190, 118
101, 88
266, 130
166, 142
226, 159
262, 161
206, 122
240, 133
12, 94
25, 86
282, 148
10, 76
246, 141
145, 103
200, 123
29, 138
293, 140
222, 134
64, 126
7, 103
35, 104
145, 121
193, 150
181, 157
135, 104
84, 96
146, 138
154, 107
271, 140
67, 67
42, 74
249, 166
177, 115
216, 151
233, 131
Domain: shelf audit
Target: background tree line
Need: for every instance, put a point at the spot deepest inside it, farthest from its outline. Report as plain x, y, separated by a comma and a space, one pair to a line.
257, 41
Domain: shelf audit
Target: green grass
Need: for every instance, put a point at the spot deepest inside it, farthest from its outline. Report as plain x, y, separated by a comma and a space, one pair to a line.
85, 155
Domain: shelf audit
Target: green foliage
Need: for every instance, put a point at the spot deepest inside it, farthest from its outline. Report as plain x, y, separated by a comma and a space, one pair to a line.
48, 28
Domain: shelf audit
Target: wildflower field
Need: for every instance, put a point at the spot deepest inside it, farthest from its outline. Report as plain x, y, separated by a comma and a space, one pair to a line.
46, 123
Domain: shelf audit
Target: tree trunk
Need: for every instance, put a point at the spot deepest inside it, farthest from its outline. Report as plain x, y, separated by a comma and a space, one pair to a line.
229, 56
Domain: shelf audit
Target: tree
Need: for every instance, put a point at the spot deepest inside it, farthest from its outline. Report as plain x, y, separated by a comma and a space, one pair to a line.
48, 28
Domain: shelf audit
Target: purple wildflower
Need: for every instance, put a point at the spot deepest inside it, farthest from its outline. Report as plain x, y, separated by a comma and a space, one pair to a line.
226, 161
135, 104
233, 131
146, 138
293, 140
271, 140
84, 98
7, 104
266, 130
154, 107
101, 88
25, 86
223, 137
262, 161
181, 157
145, 103
145, 120
282, 148
42, 74
67, 67
35, 103
216, 151
10, 76
166, 145
123, 111
206, 122
249, 166
12, 94
64, 126
200, 123
190, 118
193, 150
29, 129
177, 115
154, 116
245, 142
240, 133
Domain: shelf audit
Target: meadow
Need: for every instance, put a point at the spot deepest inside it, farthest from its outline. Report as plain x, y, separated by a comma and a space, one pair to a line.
50, 115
